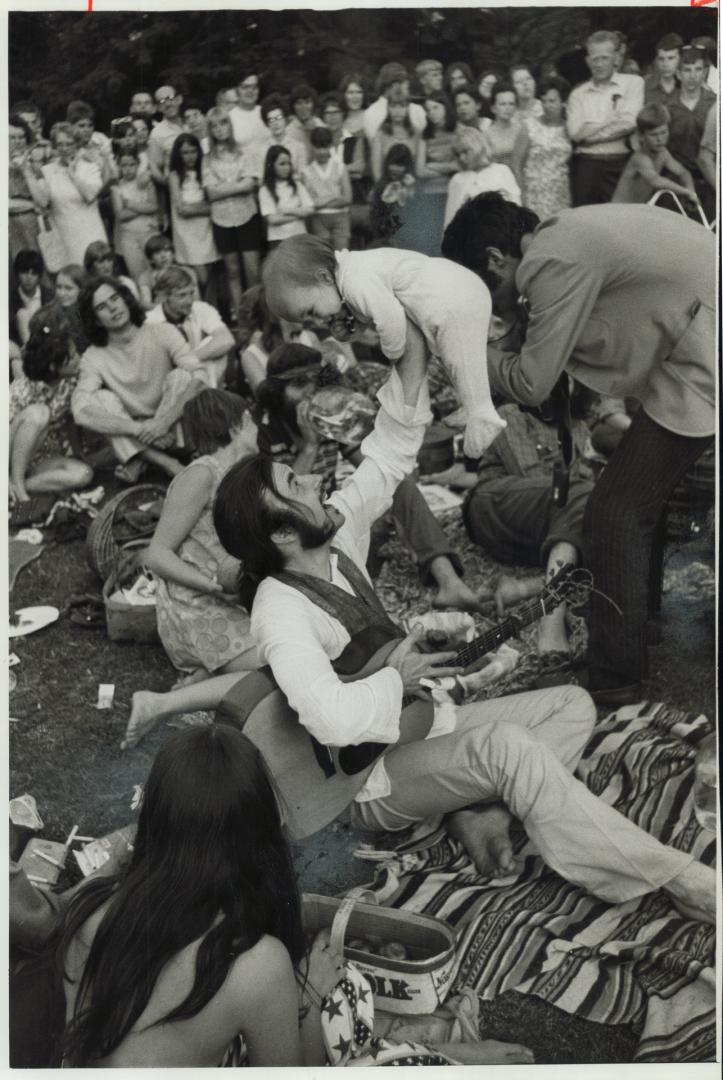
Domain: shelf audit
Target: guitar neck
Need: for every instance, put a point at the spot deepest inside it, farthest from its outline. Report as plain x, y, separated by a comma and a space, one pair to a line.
508, 628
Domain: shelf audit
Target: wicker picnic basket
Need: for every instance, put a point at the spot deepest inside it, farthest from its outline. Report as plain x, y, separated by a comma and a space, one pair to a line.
110, 531
124, 621
416, 985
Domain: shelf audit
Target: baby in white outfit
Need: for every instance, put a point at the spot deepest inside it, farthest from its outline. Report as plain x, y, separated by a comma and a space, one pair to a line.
307, 281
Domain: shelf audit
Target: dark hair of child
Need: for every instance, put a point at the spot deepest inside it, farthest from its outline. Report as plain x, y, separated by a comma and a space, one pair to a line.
46, 351
176, 163
320, 137
156, 243
270, 177
450, 121
209, 419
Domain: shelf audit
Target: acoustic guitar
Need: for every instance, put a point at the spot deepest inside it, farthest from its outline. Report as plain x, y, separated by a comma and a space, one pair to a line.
316, 782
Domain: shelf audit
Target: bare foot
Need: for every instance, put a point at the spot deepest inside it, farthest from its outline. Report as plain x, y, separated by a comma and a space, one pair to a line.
484, 832
511, 591
130, 472
488, 1052
145, 714
17, 491
457, 596
693, 892
552, 632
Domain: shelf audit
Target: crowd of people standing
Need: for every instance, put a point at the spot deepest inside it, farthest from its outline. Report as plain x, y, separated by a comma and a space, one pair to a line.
213, 190
227, 181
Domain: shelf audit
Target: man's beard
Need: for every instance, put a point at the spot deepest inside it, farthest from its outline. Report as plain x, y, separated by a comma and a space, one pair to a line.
312, 535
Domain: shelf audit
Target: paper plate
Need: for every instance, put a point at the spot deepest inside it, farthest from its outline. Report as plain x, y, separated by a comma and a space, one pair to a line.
31, 619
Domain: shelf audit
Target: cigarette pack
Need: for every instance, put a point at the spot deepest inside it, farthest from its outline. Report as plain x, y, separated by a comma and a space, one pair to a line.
106, 692
113, 848
42, 860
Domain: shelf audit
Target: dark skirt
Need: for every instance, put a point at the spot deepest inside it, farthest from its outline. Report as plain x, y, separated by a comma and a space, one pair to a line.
239, 238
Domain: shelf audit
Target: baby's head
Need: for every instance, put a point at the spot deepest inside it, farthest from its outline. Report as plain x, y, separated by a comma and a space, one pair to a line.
299, 278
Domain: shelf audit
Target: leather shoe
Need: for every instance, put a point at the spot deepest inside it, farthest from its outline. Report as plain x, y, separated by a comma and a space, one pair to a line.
615, 696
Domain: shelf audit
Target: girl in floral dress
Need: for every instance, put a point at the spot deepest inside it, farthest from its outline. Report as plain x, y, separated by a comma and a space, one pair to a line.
42, 433
201, 624
546, 169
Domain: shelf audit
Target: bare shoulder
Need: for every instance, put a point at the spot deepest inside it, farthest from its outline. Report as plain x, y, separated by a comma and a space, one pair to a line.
259, 974
268, 956
194, 482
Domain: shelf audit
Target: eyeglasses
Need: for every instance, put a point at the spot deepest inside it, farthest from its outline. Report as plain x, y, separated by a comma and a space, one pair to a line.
332, 112
165, 100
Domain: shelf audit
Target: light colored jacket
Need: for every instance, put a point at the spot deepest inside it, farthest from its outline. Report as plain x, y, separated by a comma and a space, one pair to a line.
623, 298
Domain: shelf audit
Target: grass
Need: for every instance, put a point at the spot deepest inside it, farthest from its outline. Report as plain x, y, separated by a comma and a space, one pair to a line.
66, 752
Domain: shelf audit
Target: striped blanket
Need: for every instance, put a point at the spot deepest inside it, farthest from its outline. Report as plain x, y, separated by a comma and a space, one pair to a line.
640, 962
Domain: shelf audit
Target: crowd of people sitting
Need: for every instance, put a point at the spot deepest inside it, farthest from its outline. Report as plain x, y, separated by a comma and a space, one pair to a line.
183, 290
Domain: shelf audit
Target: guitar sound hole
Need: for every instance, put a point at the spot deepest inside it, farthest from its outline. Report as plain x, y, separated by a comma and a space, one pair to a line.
352, 759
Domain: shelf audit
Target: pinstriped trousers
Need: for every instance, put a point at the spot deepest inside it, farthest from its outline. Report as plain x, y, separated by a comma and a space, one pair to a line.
621, 517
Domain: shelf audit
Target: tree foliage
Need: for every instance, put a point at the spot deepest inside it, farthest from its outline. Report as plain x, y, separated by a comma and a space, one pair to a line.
104, 56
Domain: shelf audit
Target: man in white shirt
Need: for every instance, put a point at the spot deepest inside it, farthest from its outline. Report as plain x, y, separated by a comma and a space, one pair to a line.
200, 324
305, 560
165, 133
390, 75
248, 127
600, 116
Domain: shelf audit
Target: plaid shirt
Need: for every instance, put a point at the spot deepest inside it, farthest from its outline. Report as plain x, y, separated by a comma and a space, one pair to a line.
526, 447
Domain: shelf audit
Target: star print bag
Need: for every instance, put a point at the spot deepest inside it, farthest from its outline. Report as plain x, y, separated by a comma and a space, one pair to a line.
347, 1025
407, 959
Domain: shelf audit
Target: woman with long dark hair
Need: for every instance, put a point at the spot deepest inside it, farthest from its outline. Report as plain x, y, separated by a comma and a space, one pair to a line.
397, 127
284, 202
195, 944
190, 209
195, 956
436, 163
